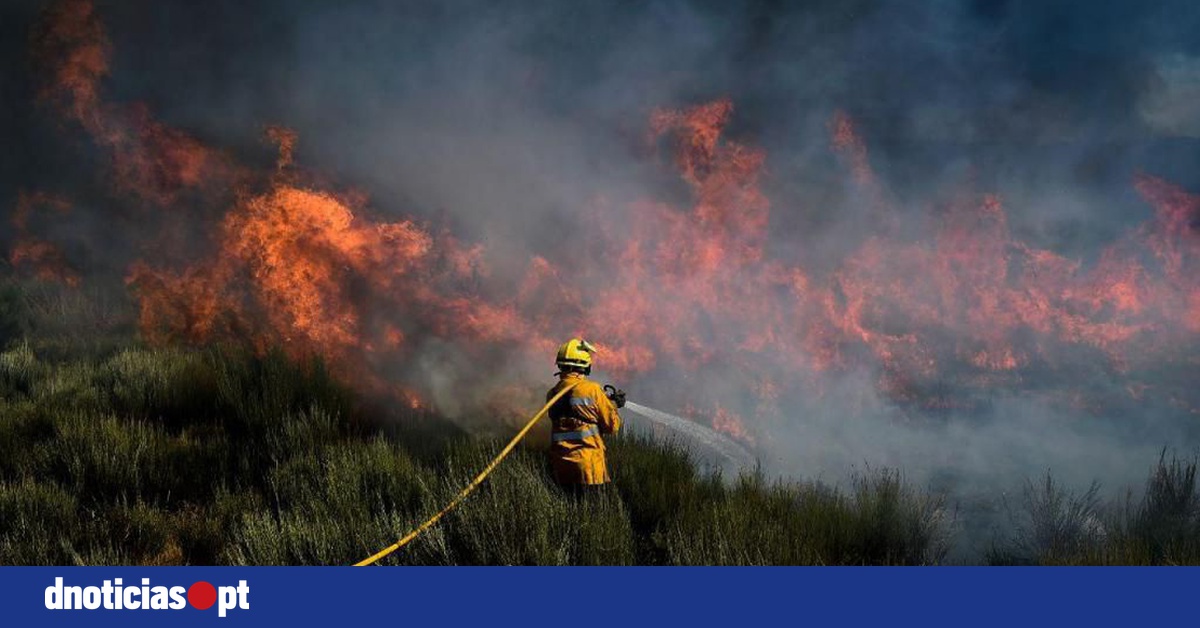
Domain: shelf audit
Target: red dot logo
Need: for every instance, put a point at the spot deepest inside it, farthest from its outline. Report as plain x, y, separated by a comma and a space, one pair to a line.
202, 595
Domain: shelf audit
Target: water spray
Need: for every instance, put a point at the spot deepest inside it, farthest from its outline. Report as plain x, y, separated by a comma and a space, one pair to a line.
711, 439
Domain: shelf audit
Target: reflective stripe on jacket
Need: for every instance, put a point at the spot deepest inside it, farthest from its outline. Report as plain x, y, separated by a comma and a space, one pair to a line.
577, 421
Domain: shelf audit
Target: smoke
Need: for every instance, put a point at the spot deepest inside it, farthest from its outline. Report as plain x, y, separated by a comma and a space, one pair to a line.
952, 238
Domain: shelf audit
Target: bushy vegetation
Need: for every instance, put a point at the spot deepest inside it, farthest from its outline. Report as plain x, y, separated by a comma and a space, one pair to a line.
116, 453
1055, 526
112, 452
155, 456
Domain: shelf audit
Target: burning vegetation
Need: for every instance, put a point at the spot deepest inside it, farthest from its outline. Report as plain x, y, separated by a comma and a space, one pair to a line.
277, 257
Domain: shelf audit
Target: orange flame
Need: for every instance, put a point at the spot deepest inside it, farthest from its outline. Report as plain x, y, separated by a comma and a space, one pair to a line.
45, 260
149, 159
693, 295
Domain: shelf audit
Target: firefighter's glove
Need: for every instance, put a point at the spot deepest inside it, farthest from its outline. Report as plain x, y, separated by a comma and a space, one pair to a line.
615, 395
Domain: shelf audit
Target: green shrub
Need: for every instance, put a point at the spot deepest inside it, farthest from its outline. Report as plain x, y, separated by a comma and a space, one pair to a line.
37, 523
19, 371
274, 408
130, 534
70, 388
1162, 527
788, 523
656, 480
297, 538
896, 525
176, 387
603, 532
1055, 524
24, 428
1168, 522
333, 505
517, 518
102, 458
202, 532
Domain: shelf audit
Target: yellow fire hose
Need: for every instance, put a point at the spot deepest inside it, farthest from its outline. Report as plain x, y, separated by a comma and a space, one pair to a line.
470, 487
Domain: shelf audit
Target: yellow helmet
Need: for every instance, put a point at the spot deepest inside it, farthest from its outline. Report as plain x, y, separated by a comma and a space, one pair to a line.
575, 352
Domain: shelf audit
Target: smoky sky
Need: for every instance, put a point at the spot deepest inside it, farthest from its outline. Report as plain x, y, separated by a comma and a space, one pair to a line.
460, 107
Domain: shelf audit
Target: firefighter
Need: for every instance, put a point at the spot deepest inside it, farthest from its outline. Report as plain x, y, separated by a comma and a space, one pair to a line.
579, 418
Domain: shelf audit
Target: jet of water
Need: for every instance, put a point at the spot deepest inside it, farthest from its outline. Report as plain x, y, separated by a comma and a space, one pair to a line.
712, 440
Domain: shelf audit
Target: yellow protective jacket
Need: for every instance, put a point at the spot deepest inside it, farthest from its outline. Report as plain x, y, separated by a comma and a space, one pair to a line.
577, 421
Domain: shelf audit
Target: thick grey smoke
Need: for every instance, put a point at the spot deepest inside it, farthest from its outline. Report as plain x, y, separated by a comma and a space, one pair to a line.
505, 121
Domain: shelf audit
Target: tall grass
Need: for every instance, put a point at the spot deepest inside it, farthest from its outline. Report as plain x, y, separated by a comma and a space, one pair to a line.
169, 456
1159, 527
115, 453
